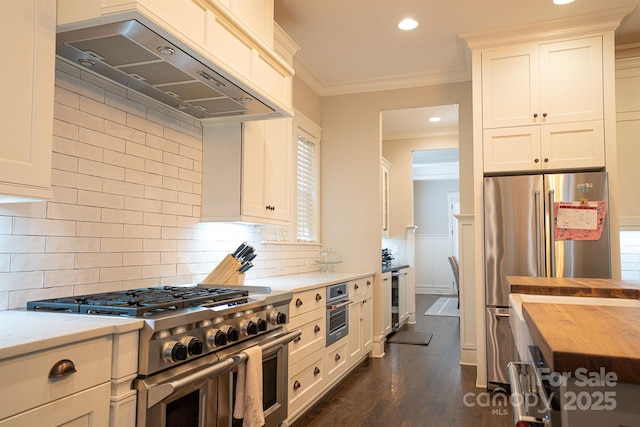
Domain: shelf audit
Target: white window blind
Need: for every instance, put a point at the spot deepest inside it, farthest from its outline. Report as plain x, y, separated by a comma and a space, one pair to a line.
307, 197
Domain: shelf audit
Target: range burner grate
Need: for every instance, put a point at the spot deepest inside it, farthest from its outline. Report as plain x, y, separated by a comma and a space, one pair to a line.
140, 302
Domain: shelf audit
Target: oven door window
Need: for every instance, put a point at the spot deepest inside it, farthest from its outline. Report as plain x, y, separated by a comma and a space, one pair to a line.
337, 318
195, 406
185, 411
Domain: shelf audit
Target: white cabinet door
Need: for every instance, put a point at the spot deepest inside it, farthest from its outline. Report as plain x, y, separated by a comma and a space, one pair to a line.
510, 86
403, 296
573, 145
571, 81
26, 89
367, 322
385, 305
386, 170
508, 149
354, 338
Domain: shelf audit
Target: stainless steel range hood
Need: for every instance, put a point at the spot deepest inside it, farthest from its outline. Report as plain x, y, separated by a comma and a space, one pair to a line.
138, 58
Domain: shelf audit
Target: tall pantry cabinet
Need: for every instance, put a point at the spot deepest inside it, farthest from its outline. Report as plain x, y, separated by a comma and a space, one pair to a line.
543, 100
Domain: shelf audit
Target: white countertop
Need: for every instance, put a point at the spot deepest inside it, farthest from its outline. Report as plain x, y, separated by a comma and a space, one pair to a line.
305, 281
24, 331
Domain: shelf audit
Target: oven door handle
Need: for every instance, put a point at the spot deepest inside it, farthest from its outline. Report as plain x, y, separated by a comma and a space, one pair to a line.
519, 372
339, 305
158, 393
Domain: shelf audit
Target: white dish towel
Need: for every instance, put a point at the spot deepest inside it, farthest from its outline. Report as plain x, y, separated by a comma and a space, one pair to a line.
249, 389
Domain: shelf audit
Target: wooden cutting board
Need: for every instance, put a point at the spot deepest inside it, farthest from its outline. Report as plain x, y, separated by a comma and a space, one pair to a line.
603, 288
580, 336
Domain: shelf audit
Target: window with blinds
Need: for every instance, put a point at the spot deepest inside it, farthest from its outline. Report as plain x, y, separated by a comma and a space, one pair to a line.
307, 191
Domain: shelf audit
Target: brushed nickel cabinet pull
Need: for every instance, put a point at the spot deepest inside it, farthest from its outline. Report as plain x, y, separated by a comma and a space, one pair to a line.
62, 368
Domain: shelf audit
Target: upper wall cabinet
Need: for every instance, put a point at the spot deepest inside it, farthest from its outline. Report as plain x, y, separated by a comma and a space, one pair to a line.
27, 87
542, 106
247, 172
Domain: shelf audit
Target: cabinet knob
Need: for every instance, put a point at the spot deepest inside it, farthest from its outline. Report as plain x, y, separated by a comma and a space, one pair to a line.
316, 329
536, 160
544, 114
298, 302
546, 160
62, 368
296, 385
356, 287
535, 115
368, 282
318, 297
316, 371
337, 357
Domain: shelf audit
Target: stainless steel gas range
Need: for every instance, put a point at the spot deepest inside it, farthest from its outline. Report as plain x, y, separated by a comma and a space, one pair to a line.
191, 346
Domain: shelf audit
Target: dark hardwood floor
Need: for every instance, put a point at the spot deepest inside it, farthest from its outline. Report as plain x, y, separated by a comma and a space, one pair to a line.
413, 385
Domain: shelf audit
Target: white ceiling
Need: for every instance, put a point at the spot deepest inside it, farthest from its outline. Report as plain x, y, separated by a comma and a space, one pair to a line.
353, 45
414, 122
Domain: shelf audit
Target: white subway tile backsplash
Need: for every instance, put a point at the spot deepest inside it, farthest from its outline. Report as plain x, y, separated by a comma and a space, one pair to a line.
166, 270
123, 132
6, 225
21, 244
77, 117
143, 231
89, 167
77, 212
123, 188
141, 150
72, 244
109, 244
144, 178
5, 263
99, 259
141, 258
100, 109
123, 160
74, 180
126, 204
21, 280
56, 278
101, 140
98, 229
120, 216
110, 274
43, 227
39, 262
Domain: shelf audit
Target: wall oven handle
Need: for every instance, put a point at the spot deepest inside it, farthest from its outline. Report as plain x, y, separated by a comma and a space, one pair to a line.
160, 392
340, 305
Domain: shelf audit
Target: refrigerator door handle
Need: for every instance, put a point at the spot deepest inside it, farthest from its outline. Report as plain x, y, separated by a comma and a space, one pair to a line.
539, 255
501, 312
552, 233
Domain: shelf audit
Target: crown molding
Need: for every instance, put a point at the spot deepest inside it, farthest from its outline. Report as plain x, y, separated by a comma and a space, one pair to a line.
607, 20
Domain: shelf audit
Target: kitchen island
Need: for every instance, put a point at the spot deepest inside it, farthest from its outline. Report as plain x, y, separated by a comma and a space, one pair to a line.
587, 332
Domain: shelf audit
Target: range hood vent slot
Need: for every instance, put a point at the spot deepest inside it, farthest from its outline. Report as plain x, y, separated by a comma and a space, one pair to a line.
131, 54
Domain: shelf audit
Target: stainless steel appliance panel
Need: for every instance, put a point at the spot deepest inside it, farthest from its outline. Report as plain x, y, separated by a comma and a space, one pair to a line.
514, 241
498, 345
577, 258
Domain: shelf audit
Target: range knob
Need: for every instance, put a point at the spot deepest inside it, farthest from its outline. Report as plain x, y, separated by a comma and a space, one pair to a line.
217, 338
173, 351
232, 333
277, 318
262, 324
194, 345
249, 327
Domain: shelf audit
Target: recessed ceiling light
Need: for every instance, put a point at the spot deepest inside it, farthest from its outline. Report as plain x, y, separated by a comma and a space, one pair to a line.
434, 119
408, 24
561, 2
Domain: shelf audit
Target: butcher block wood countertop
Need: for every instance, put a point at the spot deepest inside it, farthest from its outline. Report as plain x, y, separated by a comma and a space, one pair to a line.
602, 288
580, 336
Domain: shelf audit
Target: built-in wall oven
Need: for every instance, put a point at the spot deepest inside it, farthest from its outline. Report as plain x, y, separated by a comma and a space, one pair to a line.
337, 312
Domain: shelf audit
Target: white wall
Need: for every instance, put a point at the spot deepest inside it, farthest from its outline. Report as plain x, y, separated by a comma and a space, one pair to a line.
126, 206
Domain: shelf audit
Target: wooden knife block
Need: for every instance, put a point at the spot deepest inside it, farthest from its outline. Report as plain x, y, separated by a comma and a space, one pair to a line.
225, 273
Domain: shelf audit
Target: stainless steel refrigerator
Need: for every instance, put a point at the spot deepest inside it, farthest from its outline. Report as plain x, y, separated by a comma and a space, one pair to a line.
539, 225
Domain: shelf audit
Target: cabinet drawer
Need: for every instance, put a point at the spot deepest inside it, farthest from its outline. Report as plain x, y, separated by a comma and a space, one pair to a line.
88, 408
305, 380
312, 338
336, 359
304, 302
358, 287
25, 379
